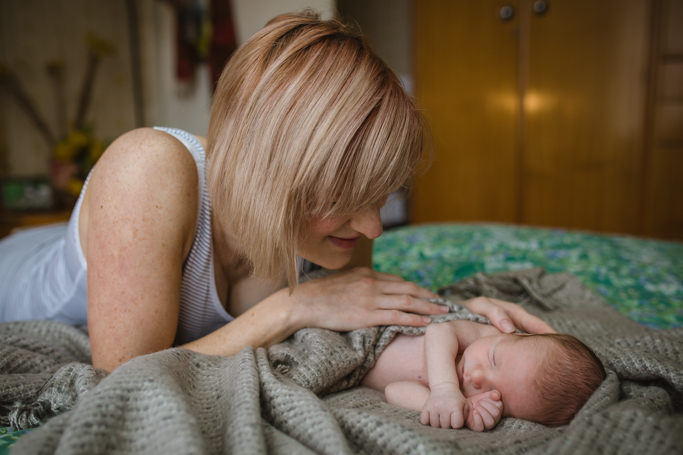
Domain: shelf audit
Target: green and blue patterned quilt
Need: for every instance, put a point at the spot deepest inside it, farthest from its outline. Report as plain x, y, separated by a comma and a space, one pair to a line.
641, 278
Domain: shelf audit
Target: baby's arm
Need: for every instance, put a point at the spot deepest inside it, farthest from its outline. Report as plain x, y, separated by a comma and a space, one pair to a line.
484, 410
407, 394
446, 406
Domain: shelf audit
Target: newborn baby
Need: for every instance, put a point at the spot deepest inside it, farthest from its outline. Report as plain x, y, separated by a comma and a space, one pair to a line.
467, 373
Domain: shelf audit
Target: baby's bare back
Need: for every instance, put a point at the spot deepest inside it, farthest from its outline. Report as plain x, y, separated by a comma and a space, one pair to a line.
402, 360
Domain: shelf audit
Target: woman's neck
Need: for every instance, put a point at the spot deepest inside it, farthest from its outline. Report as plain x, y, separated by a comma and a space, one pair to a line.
228, 253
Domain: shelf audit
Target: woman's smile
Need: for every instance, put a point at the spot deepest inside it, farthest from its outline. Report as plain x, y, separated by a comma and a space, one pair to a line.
344, 243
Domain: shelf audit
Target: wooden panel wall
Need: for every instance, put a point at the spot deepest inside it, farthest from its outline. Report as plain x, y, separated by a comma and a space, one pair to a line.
584, 109
663, 179
473, 174
572, 118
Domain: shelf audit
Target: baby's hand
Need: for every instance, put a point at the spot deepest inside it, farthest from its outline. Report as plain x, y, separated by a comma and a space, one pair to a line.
445, 407
486, 409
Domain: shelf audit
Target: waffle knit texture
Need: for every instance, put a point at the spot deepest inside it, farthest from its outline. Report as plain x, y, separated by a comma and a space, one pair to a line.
300, 396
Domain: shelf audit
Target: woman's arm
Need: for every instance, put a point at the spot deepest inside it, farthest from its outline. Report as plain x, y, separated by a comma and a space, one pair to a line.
139, 213
342, 301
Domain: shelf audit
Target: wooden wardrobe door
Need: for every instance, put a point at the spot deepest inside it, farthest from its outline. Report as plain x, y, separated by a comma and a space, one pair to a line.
465, 80
584, 108
663, 200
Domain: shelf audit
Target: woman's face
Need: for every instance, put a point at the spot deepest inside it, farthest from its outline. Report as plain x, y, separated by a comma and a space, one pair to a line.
329, 242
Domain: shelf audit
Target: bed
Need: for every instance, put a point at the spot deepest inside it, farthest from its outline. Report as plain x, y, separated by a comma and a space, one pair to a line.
622, 295
640, 278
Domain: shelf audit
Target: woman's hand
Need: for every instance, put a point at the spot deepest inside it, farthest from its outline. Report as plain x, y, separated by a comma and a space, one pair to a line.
360, 298
505, 316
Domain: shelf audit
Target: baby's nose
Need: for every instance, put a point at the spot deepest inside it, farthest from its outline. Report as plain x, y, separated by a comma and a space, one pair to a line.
478, 377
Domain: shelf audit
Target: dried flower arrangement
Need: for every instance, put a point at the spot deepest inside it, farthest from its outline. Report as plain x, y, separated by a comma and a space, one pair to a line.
77, 149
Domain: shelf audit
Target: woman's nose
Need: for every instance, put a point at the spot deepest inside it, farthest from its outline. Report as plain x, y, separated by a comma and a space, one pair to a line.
368, 223
478, 378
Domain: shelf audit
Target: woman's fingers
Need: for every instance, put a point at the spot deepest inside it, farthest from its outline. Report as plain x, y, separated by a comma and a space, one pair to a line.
523, 319
505, 316
395, 317
495, 313
410, 305
362, 298
387, 276
530, 323
405, 288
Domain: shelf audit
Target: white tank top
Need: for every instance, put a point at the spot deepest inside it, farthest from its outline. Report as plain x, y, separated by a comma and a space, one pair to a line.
43, 270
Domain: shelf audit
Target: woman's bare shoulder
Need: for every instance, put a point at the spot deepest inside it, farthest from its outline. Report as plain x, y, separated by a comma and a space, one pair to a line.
148, 158
145, 174
148, 145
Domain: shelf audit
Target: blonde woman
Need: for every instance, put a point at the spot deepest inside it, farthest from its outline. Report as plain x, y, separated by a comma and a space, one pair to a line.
177, 240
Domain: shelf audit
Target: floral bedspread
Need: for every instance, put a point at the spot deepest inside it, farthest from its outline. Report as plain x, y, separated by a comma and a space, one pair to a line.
641, 278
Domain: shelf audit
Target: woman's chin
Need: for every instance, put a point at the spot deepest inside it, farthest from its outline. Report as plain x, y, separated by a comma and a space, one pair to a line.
333, 264
332, 261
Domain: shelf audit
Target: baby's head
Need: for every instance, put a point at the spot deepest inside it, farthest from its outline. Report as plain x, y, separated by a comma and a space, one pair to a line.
568, 374
543, 378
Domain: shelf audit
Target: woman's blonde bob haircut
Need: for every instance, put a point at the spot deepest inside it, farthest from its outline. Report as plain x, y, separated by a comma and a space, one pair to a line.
306, 121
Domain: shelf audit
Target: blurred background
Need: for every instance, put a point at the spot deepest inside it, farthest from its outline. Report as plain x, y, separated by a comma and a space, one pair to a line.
565, 113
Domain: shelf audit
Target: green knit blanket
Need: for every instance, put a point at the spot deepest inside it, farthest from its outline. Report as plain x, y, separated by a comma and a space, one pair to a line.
300, 396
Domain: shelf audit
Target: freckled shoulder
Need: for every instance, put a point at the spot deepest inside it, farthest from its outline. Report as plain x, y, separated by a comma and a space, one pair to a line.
143, 171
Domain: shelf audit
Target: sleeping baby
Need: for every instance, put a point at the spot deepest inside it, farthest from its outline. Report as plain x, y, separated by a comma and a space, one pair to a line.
466, 373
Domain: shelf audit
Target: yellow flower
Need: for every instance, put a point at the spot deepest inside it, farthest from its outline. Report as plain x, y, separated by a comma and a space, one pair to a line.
66, 150
75, 186
96, 150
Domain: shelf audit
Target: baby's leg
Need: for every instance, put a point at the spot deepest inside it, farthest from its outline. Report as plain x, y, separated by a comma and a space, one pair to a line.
407, 394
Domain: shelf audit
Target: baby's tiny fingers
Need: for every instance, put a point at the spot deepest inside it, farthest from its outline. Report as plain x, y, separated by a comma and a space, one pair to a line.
477, 424
457, 420
434, 419
489, 421
445, 419
495, 408
424, 418
494, 395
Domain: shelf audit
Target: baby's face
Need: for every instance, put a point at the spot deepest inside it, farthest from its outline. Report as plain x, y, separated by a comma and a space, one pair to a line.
503, 363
